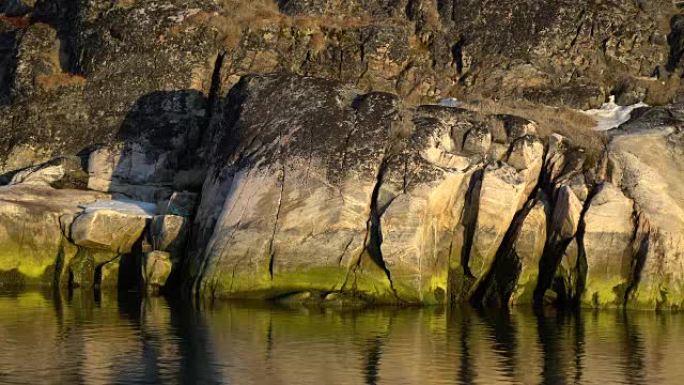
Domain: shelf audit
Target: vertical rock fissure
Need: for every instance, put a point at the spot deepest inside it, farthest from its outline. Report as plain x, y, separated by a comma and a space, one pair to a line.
640, 246
373, 238
457, 55
213, 99
374, 246
60, 262
271, 246
459, 275
581, 267
470, 214
499, 283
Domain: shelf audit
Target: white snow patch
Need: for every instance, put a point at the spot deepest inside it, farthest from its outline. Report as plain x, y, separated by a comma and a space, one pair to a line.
124, 206
611, 115
450, 102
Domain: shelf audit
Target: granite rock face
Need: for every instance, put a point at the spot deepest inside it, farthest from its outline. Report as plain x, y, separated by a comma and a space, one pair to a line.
410, 213
303, 154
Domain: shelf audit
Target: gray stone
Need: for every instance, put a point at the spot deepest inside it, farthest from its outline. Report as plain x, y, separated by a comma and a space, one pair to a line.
108, 230
156, 268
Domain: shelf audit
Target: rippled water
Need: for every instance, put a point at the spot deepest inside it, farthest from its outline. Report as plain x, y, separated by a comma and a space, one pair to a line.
47, 339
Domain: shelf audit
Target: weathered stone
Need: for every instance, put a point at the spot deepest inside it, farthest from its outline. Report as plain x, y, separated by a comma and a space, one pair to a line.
477, 141
607, 241
32, 242
500, 196
156, 269
295, 214
128, 170
169, 233
108, 230
182, 204
526, 156
82, 271
645, 161
566, 213
529, 247
109, 274
62, 172
417, 227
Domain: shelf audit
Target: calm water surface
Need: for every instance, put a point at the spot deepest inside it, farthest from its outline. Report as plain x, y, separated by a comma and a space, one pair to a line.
83, 340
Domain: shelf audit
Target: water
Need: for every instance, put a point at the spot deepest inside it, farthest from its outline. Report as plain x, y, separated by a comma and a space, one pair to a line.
46, 339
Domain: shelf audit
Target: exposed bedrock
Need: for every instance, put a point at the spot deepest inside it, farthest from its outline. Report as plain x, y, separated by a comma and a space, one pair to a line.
73, 73
314, 189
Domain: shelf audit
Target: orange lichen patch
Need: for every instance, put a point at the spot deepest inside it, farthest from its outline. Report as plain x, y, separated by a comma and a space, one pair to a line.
55, 81
17, 22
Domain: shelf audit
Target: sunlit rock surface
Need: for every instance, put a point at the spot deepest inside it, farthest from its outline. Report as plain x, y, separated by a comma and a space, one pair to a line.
326, 180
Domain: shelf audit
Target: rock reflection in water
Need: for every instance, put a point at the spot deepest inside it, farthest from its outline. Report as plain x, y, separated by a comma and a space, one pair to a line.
115, 339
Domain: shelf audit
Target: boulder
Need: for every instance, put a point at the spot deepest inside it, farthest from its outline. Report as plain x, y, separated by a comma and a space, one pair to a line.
128, 169
181, 204
423, 201
566, 213
156, 269
477, 141
82, 272
527, 157
32, 240
108, 229
169, 233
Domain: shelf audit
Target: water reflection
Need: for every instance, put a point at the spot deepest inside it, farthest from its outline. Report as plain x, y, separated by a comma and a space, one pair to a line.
128, 339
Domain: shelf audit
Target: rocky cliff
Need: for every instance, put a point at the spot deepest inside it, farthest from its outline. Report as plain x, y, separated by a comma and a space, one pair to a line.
283, 151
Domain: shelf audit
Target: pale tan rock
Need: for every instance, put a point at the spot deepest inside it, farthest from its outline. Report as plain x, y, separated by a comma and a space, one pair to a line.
608, 232
529, 247
647, 164
31, 222
169, 233
527, 157
566, 213
34, 175
418, 234
498, 151
477, 141
156, 268
106, 229
502, 192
